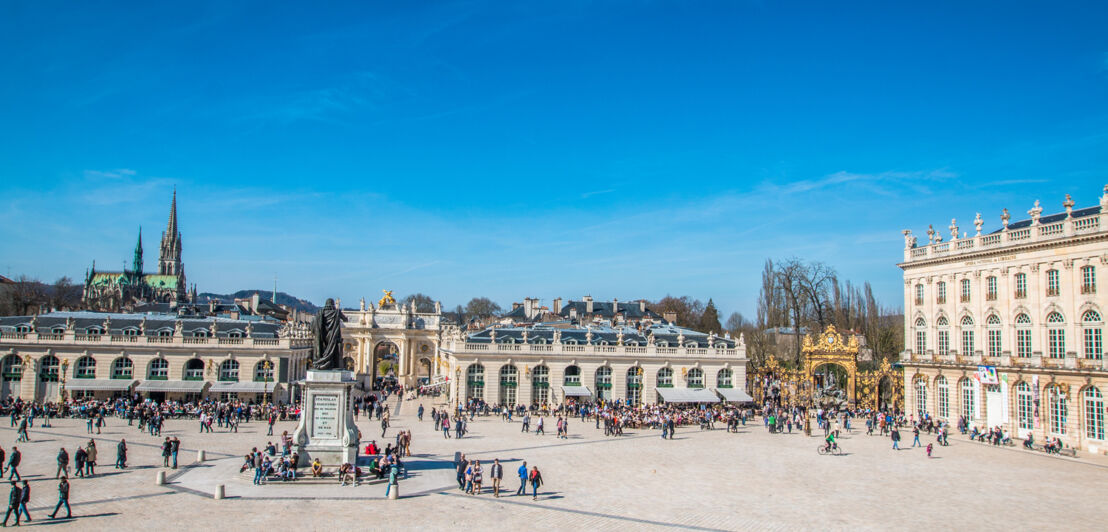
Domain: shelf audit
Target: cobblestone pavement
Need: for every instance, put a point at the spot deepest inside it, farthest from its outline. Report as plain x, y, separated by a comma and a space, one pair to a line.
707, 480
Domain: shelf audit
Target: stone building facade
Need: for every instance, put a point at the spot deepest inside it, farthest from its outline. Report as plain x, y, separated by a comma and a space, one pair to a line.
1022, 301
395, 333
160, 356
551, 363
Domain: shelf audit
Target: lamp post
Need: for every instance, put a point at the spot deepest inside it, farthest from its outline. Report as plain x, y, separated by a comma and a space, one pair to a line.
266, 365
65, 369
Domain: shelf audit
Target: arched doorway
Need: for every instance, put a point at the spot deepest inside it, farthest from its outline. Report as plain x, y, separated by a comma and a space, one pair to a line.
384, 365
830, 385
48, 378
604, 383
540, 385
475, 382
424, 373
885, 396
634, 385
12, 373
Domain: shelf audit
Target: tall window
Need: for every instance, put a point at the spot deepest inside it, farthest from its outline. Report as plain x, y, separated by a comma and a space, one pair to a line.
695, 378
1056, 334
194, 370
965, 290
941, 289
969, 400
263, 373
990, 288
1052, 288
944, 397
1088, 279
572, 376
159, 369
634, 385
919, 294
921, 396
1023, 336
1094, 345
1023, 405
921, 335
992, 323
1021, 285
475, 382
944, 336
1058, 410
123, 368
1094, 414
229, 370
12, 368
967, 335
723, 378
540, 385
665, 378
86, 368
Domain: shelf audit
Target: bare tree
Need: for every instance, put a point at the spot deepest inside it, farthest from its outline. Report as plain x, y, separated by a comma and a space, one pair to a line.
423, 302
789, 280
65, 295
481, 307
815, 283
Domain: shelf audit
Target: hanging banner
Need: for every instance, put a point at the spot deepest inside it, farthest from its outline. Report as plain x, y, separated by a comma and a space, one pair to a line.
986, 375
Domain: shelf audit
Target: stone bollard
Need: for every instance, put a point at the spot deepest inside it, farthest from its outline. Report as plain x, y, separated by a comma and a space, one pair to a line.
200, 456
161, 478
394, 492
220, 492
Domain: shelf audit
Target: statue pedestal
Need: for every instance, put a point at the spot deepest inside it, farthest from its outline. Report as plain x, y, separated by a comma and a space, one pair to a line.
327, 430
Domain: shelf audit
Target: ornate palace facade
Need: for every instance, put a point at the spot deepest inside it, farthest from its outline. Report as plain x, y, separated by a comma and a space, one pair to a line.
1023, 301
154, 355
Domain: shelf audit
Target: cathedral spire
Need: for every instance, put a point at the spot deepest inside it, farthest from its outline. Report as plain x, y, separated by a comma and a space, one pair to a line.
171, 227
136, 263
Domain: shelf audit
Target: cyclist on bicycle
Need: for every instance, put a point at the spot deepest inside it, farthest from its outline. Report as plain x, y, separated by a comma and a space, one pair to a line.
830, 439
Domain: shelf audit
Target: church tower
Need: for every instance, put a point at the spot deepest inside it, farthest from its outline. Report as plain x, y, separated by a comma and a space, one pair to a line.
136, 263
170, 261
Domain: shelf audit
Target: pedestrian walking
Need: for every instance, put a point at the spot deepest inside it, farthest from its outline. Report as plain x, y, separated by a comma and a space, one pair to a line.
175, 447
63, 463
536, 481
15, 497
13, 465
63, 500
121, 454
895, 435
24, 498
496, 473
167, 450
90, 458
522, 472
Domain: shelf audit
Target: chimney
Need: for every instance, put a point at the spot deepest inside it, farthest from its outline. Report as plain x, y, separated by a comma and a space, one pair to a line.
211, 306
529, 304
588, 304
642, 306
670, 316
557, 305
573, 313
516, 305
615, 306
254, 302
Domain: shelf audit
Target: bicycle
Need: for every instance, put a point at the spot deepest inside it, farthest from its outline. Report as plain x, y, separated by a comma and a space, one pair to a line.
835, 450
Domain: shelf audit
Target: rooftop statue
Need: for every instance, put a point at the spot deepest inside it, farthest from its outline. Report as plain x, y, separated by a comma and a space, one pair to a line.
387, 300
327, 332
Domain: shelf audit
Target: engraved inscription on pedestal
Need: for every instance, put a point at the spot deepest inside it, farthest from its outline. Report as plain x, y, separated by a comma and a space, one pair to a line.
325, 416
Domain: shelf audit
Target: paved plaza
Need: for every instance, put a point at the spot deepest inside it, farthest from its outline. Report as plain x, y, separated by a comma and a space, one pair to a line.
699, 480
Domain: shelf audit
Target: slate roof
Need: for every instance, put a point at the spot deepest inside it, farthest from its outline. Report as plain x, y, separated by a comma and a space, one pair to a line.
665, 335
1045, 220
83, 320
630, 310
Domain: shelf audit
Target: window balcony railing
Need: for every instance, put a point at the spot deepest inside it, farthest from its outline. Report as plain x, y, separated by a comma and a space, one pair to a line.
1088, 289
1052, 292
194, 377
965, 298
940, 300
919, 300
991, 296
1021, 294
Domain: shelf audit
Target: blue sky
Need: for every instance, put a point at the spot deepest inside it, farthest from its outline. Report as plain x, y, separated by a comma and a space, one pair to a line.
513, 149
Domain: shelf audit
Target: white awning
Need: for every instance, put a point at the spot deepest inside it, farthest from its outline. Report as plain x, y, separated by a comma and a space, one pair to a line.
244, 387
99, 385
688, 395
172, 386
734, 395
576, 391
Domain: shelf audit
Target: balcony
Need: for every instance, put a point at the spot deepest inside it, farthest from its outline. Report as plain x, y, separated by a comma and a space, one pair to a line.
919, 301
991, 296
965, 298
1021, 294
941, 300
1088, 289
1052, 292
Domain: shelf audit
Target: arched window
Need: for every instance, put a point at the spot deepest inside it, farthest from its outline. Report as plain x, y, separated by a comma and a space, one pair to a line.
123, 368
723, 378
665, 378
992, 326
1094, 414
194, 370
921, 396
158, 369
1023, 405
12, 368
1094, 340
943, 335
263, 370
229, 370
967, 335
943, 396
540, 385
969, 400
509, 379
85, 368
921, 336
634, 385
48, 369
1056, 334
1058, 409
695, 378
475, 381
572, 376
604, 383
1023, 336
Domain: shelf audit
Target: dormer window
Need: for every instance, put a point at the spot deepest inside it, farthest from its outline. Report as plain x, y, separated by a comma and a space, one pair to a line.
200, 333
165, 333
23, 329
94, 330
234, 334
130, 332
58, 330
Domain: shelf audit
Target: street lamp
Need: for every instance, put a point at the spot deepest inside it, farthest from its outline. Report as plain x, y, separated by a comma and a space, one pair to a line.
65, 369
266, 365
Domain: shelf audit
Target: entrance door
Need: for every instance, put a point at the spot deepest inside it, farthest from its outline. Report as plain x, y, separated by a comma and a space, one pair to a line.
994, 406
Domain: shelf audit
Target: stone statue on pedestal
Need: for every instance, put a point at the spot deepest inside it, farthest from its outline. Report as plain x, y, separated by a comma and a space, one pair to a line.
327, 330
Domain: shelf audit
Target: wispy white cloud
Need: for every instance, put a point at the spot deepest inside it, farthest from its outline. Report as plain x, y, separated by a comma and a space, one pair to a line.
119, 173
844, 178
592, 193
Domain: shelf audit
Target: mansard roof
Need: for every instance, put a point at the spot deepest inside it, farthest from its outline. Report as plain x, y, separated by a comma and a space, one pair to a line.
1046, 220
629, 309
664, 334
83, 320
